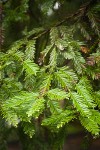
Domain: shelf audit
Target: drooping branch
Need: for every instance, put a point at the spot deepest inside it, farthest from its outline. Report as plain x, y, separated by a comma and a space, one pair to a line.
82, 11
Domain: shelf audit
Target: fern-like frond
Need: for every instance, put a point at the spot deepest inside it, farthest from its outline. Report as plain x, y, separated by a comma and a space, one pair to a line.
28, 128
95, 25
86, 83
65, 77
30, 82
70, 74
61, 44
47, 50
19, 99
10, 116
36, 108
19, 105
30, 67
78, 62
57, 94
46, 83
62, 80
54, 35
54, 106
96, 56
72, 52
9, 88
17, 45
90, 125
66, 33
97, 98
93, 72
95, 116
85, 91
53, 58
19, 56
85, 95
58, 120
34, 31
79, 104
30, 50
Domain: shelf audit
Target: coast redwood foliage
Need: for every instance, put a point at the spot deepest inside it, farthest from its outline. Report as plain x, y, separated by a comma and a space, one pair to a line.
50, 67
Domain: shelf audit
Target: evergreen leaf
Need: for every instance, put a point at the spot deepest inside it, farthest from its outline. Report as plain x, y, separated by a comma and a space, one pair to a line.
36, 108
84, 90
19, 105
28, 128
47, 50
10, 116
53, 58
54, 34
90, 125
30, 67
79, 104
58, 120
65, 77
30, 50
57, 94
97, 98
46, 83
93, 21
